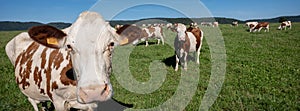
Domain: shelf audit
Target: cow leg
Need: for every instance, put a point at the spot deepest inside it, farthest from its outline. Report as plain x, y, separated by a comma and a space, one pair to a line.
198, 54
158, 41
135, 42
185, 60
60, 104
177, 61
34, 103
147, 43
85, 107
162, 40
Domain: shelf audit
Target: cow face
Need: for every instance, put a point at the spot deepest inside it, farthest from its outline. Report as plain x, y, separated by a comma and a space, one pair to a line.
181, 28
90, 42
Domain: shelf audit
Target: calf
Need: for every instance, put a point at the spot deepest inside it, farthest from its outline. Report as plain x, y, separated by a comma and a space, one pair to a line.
153, 32
187, 40
259, 26
69, 67
285, 24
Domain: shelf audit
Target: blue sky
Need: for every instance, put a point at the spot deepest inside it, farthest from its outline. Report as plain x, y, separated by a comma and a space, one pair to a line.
68, 10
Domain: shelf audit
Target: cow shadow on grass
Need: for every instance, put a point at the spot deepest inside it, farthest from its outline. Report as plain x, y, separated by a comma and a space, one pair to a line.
171, 61
113, 105
144, 43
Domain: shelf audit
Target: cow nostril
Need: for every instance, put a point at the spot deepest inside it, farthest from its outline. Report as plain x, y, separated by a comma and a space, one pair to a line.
105, 89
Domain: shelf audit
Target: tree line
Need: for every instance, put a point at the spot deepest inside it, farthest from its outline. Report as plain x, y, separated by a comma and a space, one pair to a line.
9, 25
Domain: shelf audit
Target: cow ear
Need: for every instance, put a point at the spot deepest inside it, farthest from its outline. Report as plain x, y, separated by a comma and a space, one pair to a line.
47, 35
129, 34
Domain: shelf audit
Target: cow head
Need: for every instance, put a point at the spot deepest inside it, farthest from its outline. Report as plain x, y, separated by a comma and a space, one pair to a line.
181, 32
90, 42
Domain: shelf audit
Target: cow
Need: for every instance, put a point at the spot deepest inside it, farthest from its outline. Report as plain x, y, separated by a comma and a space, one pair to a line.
285, 24
235, 23
215, 24
187, 40
153, 32
206, 23
247, 24
259, 26
69, 67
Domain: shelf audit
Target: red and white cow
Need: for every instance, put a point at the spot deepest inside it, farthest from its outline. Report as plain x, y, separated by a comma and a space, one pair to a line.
153, 32
259, 26
45, 59
187, 40
285, 24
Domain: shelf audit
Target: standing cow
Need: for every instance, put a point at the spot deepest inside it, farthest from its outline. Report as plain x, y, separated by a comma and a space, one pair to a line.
187, 40
153, 32
285, 24
69, 67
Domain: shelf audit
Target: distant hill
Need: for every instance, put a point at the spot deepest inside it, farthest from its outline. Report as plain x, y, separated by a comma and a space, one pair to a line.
9, 25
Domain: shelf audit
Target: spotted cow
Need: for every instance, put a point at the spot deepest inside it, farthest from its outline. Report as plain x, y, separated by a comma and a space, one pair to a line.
187, 40
69, 67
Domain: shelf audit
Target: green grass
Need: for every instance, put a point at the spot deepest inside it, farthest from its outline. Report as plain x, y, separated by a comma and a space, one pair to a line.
262, 72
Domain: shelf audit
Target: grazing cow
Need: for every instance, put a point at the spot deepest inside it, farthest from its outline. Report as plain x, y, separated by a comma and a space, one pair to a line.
187, 40
215, 24
69, 67
153, 32
235, 23
206, 23
259, 26
247, 24
285, 24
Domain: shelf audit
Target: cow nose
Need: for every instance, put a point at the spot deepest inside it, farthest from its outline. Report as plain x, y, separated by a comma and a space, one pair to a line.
94, 93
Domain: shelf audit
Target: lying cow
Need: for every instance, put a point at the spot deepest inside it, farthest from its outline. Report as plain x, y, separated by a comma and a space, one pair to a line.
259, 26
69, 67
153, 32
285, 24
187, 40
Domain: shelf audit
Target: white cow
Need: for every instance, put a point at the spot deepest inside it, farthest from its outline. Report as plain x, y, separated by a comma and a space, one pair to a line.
45, 59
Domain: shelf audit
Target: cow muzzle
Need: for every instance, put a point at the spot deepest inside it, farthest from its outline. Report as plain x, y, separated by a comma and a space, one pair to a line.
94, 93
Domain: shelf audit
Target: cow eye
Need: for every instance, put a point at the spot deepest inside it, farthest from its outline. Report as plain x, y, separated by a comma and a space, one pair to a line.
111, 44
69, 47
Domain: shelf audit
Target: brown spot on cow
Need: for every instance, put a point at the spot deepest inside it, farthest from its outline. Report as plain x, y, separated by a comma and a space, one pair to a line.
197, 33
42, 91
37, 76
65, 79
54, 86
43, 58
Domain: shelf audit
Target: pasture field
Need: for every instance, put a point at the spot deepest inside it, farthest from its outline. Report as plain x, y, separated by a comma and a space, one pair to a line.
262, 72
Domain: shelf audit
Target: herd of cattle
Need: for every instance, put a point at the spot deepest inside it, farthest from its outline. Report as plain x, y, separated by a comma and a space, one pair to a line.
71, 67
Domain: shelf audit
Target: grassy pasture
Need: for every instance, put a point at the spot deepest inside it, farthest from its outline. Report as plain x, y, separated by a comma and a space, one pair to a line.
262, 72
